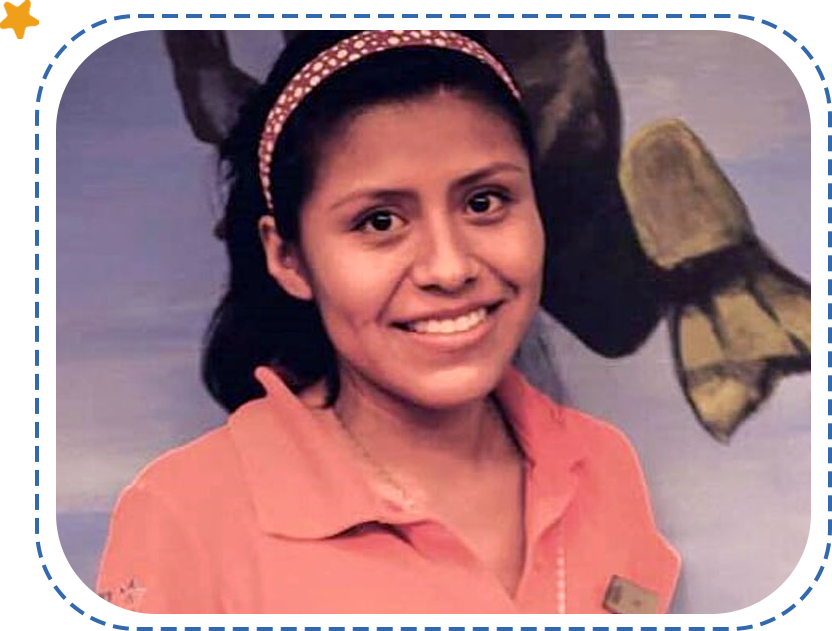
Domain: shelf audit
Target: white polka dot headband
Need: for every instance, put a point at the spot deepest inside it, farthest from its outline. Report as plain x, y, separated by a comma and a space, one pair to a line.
343, 54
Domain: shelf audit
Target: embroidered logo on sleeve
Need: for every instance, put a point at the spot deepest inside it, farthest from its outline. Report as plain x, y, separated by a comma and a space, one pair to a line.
129, 595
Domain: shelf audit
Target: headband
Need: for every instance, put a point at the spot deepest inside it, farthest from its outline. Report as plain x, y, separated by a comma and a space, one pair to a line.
342, 55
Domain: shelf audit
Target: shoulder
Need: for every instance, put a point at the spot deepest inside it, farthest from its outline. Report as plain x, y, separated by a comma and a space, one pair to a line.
560, 435
186, 475
555, 426
585, 423
155, 558
189, 459
607, 457
160, 550
604, 440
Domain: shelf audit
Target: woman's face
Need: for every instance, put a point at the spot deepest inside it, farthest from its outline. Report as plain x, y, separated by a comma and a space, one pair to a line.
422, 246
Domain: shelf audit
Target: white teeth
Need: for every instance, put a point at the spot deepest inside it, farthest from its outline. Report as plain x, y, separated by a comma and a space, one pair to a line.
451, 325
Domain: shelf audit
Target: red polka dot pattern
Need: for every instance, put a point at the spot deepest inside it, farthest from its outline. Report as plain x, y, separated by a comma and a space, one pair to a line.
343, 54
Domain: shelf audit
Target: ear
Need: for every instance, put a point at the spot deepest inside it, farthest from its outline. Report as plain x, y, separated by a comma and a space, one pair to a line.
283, 261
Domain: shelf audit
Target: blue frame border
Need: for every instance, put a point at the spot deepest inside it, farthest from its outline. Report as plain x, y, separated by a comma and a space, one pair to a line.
805, 38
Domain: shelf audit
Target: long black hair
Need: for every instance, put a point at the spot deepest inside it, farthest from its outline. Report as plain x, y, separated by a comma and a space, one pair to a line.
256, 322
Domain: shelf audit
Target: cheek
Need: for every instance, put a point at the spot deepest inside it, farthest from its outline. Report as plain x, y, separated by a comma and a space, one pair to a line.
350, 286
517, 251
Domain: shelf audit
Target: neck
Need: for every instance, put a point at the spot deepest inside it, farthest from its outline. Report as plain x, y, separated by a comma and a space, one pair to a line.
421, 442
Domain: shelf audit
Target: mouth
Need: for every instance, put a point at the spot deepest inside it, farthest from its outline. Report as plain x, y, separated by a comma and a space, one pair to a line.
450, 326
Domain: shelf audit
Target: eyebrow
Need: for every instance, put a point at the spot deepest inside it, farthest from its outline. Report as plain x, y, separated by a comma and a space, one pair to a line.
462, 182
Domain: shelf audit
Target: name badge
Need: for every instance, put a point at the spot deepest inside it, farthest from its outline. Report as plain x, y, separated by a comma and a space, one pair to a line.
624, 596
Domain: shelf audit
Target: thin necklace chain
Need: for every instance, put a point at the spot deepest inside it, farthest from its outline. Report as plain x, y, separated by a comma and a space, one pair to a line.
380, 469
386, 476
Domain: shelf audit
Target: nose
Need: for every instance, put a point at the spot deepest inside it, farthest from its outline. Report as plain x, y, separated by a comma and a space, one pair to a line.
445, 261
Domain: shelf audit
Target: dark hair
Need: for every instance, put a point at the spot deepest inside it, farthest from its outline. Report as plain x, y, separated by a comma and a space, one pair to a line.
256, 322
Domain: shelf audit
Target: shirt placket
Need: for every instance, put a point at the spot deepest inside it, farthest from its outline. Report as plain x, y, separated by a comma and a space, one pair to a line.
542, 587
439, 545
548, 494
560, 569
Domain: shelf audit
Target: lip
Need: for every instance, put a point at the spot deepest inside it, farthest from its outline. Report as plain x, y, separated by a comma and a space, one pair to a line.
449, 314
462, 340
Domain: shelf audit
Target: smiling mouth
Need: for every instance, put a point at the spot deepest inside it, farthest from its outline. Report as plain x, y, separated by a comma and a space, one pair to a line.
449, 326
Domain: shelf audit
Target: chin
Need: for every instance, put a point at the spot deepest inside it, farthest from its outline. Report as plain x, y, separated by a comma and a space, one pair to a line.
450, 388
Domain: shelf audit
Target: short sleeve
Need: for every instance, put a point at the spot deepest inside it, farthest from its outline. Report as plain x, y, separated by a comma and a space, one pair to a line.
151, 563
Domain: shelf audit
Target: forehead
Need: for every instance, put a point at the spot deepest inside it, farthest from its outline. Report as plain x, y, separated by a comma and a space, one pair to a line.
443, 130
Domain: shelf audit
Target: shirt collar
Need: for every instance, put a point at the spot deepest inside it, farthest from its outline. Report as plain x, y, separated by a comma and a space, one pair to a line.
306, 481
554, 446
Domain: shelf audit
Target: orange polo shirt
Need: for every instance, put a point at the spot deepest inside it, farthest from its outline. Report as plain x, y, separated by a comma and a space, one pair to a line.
275, 512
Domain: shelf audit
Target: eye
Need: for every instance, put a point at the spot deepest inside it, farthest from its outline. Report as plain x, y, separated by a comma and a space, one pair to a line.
486, 202
379, 221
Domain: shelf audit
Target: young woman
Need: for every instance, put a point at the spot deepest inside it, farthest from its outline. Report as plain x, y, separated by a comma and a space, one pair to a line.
382, 456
